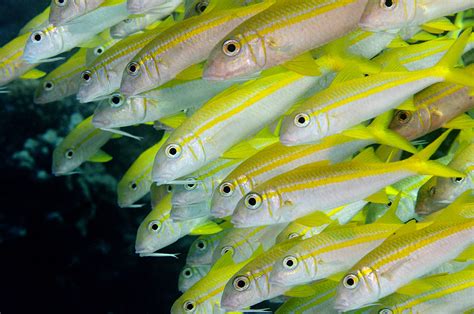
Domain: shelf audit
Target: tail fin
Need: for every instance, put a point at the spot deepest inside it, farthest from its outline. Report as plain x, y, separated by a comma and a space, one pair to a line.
421, 164
447, 64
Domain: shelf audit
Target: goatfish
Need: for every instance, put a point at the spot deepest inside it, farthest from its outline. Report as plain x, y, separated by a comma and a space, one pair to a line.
216, 127
157, 230
201, 251
268, 39
330, 252
296, 193
136, 181
46, 43
190, 275
348, 103
63, 11
12, 66
179, 47
251, 285
134, 25
445, 293
191, 199
63, 81
165, 101
404, 257
148, 6
386, 15
80, 145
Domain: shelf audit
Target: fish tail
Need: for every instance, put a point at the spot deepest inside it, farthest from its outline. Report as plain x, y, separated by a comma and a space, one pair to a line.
451, 59
420, 163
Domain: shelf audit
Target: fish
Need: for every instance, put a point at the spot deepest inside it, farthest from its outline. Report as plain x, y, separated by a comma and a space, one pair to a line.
332, 251
11, 64
268, 38
134, 25
63, 11
294, 194
190, 275
157, 230
63, 81
165, 101
136, 181
386, 15
446, 293
345, 104
320, 302
191, 199
201, 251
251, 285
46, 43
242, 243
216, 126
82, 144
103, 76
402, 258
146, 6
187, 43
438, 193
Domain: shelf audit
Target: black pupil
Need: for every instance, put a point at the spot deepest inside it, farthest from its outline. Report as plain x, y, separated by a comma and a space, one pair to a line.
187, 273
231, 48
116, 100
169, 188
133, 68
241, 284
134, 186
388, 3
172, 151
70, 153
403, 116
86, 76
200, 245
350, 281
226, 189
189, 306
458, 179
154, 227
99, 50
61, 1
252, 201
301, 120
190, 185
289, 263
37, 37
389, 204
201, 7
49, 85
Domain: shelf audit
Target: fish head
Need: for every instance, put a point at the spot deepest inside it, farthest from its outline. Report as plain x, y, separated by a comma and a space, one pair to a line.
131, 189
243, 290
381, 15
65, 10
301, 127
66, 158
190, 211
190, 304
293, 230
47, 91
142, 74
356, 289
43, 44
94, 83
291, 269
410, 124
124, 28
235, 57
226, 198
155, 234
190, 275
201, 250
257, 208
117, 111
141, 6
177, 158
438, 193
196, 7
193, 192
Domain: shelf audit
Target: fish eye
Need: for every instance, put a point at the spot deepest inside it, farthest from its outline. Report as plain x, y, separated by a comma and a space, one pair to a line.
385, 311
290, 262
403, 117
226, 189
86, 76
432, 191
173, 151
201, 245
293, 235
169, 188
190, 186
301, 120
48, 86
457, 180
241, 283
133, 186
127, 21
133, 68
226, 249
388, 4
60, 3
37, 37
187, 272
350, 281
189, 306
69, 154
116, 100
154, 226
231, 47
201, 7
253, 201
98, 51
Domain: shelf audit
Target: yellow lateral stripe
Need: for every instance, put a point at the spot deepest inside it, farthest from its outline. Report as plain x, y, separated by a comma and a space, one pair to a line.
445, 92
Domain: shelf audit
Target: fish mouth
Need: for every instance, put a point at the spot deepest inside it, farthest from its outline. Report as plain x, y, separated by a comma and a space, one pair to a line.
100, 122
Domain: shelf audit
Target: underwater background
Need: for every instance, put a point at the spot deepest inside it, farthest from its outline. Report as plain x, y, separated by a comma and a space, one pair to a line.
65, 245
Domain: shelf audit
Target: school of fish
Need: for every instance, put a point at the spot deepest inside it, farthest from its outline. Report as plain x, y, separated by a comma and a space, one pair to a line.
301, 142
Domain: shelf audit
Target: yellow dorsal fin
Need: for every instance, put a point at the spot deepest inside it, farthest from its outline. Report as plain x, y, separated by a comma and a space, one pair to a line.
240, 151
349, 72
315, 219
174, 121
192, 73
303, 64
100, 156
208, 227
33, 75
